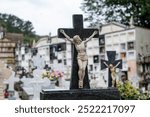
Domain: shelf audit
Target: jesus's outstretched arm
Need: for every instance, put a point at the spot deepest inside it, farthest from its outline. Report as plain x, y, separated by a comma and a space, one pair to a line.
67, 37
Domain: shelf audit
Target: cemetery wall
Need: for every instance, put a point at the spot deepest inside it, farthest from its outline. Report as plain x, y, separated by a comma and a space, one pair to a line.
112, 27
143, 41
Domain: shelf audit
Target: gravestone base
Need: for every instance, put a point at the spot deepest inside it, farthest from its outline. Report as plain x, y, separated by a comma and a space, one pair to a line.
82, 94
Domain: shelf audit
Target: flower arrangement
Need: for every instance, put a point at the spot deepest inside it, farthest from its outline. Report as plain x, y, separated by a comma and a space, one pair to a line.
52, 75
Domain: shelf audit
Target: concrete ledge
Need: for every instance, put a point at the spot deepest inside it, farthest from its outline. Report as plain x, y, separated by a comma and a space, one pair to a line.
84, 94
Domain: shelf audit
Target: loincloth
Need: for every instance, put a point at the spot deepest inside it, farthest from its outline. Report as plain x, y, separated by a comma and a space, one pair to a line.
82, 57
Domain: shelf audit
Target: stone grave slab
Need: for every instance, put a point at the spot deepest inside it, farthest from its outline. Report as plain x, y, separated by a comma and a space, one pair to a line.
83, 94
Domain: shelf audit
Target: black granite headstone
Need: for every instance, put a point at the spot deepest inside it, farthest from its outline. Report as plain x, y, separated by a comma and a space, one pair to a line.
111, 60
82, 94
83, 33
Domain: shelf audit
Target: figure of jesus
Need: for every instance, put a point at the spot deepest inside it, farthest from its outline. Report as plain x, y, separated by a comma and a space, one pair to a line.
113, 73
82, 57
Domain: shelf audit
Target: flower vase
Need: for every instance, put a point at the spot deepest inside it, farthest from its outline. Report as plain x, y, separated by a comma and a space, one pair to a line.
52, 84
60, 80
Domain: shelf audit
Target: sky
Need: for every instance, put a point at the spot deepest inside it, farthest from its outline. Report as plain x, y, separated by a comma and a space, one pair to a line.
46, 15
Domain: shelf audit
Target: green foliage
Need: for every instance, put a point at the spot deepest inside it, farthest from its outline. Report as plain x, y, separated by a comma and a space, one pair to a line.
128, 92
100, 11
13, 24
144, 96
29, 39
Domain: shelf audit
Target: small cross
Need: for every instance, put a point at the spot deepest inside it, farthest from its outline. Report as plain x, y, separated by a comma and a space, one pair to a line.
83, 33
111, 63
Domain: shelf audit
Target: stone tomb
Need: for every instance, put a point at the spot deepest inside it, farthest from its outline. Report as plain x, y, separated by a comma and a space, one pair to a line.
82, 94
75, 93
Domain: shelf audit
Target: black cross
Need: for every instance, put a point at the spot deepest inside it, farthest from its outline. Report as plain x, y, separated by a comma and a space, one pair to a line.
83, 33
111, 60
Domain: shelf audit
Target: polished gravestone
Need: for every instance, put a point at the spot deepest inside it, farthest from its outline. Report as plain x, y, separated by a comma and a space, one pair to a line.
75, 93
82, 94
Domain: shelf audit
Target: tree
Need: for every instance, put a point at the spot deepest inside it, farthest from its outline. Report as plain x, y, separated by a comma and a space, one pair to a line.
104, 11
13, 24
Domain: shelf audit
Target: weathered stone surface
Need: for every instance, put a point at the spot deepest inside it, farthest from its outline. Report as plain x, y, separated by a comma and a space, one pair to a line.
82, 94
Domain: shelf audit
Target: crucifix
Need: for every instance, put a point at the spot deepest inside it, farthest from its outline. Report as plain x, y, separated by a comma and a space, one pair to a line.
81, 33
111, 64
